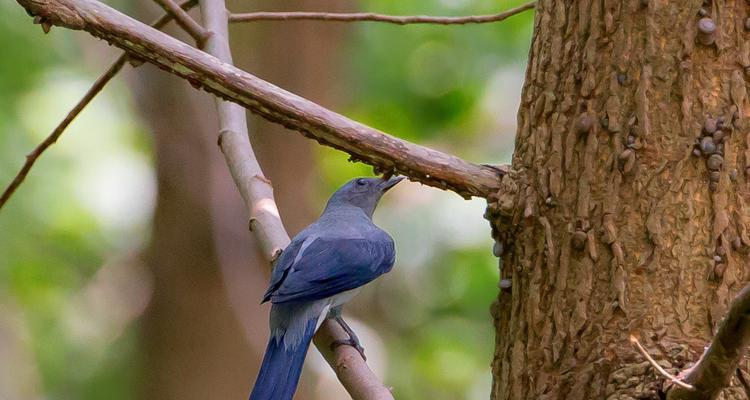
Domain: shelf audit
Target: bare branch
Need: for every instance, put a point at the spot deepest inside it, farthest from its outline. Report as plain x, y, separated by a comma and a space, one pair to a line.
347, 363
185, 21
386, 153
656, 365
371, 17
714, 370
265, 222
97, 87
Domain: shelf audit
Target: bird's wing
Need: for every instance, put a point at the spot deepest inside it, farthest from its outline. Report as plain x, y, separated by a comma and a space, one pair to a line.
323, 267
285, 261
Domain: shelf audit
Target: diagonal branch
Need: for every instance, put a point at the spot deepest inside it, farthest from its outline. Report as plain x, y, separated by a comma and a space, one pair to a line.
265, 222
186, 22
386, 153
715, 368
97, 87
371, 17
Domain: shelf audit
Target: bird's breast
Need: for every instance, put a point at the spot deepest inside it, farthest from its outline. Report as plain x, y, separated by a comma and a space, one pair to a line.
335, 301
343, 297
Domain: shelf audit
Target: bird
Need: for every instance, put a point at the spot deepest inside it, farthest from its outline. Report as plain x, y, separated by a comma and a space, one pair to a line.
321, 269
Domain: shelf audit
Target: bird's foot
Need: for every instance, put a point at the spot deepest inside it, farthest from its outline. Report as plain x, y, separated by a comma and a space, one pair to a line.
353, 339
349, 342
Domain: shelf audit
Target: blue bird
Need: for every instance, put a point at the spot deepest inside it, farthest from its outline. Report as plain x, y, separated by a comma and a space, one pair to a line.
322, 268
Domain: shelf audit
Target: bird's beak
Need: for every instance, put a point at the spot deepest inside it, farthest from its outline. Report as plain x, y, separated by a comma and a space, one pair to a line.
387, 184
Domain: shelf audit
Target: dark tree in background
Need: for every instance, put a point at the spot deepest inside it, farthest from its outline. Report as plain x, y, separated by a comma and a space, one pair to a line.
201, 336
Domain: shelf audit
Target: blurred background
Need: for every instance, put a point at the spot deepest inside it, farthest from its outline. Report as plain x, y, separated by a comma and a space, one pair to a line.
126, 267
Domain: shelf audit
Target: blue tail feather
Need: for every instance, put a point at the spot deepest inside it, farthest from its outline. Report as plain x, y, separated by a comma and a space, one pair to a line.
281, 368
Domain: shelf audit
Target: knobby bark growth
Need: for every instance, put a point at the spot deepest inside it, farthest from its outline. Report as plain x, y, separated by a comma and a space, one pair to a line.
613, 221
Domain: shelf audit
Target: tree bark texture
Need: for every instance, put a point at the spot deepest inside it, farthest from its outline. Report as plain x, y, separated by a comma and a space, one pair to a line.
611, 224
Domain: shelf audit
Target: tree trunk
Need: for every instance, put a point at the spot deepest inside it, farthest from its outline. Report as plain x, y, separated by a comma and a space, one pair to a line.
611, 225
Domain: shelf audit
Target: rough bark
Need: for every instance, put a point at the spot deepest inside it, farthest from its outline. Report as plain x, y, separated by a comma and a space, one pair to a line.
611, 225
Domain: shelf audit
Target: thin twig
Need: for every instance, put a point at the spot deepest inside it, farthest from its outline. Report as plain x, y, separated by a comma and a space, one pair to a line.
97, 87
265, 222
713, 371
372, 17
185, 21
386, 153
656, 365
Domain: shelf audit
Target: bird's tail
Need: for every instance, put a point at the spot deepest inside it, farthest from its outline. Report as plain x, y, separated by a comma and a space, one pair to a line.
281, 368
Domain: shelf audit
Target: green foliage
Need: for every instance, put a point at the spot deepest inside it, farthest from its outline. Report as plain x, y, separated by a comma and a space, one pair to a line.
421, 81
428, 84
446, 354
52, 243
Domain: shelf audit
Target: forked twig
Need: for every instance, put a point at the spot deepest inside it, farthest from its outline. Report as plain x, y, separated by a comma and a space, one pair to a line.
386, 153
186, 22
97, 87
656, 365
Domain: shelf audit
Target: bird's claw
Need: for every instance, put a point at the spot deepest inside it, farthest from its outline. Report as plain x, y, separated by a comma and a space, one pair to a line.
349, 342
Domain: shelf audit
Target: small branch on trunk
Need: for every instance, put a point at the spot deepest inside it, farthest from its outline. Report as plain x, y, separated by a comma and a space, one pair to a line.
186, 22
371, 17
265, 221
714, 370
97, 87
656, 365
385, 153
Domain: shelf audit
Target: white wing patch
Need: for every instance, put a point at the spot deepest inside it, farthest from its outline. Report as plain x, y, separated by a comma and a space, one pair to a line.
304, 246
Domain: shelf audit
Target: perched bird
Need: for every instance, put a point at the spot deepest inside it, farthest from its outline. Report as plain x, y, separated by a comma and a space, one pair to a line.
321, 269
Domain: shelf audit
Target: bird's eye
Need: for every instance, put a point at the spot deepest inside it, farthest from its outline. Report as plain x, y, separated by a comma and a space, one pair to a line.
360, 182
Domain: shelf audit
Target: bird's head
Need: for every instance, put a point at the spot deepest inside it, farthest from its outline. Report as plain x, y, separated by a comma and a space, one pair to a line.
363, 193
